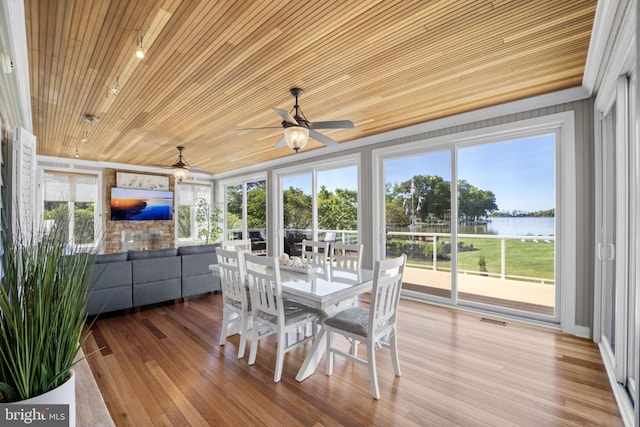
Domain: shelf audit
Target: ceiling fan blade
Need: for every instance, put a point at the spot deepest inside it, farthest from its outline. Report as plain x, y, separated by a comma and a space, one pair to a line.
286, 116
267, 127
321, 138
196, 169
335, 124
281, 143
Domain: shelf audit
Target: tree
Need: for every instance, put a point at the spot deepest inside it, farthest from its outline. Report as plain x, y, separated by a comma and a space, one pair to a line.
184, 221
432, 199
257, 205
337, 210
297, 208
474, 203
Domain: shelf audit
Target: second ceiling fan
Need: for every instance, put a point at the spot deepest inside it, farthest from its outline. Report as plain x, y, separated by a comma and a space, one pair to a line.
298, 129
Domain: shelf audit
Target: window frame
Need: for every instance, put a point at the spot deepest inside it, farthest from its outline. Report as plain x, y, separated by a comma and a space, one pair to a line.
314, 167
562, 124
193, 239
98, 218
221, 199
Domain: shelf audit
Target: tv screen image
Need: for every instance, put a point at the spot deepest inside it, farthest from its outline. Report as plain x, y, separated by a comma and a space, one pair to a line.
135, 204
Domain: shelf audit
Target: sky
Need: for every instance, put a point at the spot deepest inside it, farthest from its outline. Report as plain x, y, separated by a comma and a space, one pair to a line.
345, 178
520, 173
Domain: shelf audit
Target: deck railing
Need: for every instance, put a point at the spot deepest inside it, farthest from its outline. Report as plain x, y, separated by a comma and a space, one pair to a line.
432, 238
351, 236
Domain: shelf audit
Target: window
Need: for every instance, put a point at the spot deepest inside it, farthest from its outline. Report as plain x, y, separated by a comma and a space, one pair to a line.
245, 211
190, 197
70, 201
484, 217
319, 201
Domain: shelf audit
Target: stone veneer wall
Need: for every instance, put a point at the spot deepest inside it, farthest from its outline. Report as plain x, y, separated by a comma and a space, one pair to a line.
114, 229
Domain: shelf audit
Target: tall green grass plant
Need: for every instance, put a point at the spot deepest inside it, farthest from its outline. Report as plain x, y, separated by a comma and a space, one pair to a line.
43, 300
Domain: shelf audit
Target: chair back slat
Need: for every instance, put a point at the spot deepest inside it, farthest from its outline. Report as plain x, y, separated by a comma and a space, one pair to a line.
345, 255
315, 252
265, 285
232, 275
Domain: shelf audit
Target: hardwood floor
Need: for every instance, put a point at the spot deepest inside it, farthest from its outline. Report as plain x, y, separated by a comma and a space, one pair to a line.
163, 366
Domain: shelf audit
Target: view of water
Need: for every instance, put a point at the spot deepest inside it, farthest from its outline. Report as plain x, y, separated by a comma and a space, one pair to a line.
522, 226
505, 226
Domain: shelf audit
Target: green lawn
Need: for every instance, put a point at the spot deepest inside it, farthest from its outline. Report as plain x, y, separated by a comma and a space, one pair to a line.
522, 258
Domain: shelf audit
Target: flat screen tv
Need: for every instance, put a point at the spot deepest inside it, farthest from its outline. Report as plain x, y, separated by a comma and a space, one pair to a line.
134, 204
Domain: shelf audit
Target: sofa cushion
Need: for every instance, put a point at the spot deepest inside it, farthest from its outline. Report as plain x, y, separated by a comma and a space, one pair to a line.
106, 300
197, 249
193, 265
110, 275
154, 253
156, 269
107, 258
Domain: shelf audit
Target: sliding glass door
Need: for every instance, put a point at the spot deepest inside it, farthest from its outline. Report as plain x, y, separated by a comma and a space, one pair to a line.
418, 219
506, 224
319, 202
484, 217
617, 210
245, 211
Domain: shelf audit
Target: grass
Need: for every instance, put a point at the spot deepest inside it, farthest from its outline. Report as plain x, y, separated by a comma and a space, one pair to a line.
527, 258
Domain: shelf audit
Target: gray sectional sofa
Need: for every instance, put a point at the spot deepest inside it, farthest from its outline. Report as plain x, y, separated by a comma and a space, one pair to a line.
136, 278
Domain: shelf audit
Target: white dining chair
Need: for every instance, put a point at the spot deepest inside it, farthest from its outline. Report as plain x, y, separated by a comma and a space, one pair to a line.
375, 326
236, 245
236, 314
315, 252
272, 314
346, 255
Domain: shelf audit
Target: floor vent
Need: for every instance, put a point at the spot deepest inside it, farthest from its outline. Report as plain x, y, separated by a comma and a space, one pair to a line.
494, 321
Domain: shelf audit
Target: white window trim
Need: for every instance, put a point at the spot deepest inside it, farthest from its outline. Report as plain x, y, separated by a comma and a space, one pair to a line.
99, 221
221, 199
562, 123
181, 241
310, 167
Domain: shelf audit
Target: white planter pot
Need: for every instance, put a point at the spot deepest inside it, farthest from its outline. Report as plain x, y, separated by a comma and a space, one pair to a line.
63, 395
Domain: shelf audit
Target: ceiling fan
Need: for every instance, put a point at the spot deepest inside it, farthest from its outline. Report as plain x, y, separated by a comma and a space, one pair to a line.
298, 129
181, 168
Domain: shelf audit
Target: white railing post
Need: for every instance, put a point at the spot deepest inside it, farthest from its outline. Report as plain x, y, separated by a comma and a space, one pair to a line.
435, 252
503, 256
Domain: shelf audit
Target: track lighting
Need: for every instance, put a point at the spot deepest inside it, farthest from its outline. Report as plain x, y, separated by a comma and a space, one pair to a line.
139, 38
113, 90
91, 119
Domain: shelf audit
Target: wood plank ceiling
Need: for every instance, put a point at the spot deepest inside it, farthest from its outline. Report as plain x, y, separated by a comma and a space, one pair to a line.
212, 67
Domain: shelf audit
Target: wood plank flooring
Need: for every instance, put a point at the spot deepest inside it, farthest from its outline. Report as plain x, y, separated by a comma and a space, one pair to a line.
162, 366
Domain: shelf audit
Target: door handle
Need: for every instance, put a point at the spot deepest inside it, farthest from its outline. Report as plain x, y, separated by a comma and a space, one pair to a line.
612, 252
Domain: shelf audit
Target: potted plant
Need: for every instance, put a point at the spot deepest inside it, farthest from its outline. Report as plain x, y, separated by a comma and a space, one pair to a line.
43, 299
208, 221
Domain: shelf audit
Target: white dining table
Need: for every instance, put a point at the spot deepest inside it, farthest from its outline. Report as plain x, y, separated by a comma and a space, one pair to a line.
327, 288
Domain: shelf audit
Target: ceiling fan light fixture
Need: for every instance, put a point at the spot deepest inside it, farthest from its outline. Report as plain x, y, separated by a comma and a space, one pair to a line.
296, 137
180, 173
180, 168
